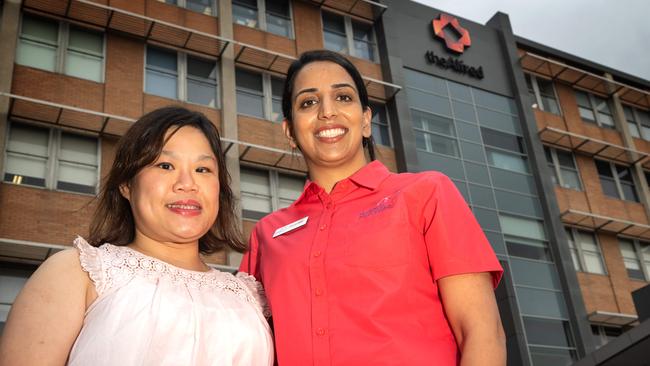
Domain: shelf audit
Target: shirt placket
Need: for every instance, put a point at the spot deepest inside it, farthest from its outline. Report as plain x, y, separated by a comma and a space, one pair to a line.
319, 315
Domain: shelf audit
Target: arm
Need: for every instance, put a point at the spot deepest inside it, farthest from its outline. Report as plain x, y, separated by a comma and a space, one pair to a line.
47, 315
468, 300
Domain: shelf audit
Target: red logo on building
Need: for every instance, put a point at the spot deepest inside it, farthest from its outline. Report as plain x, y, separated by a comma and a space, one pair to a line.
455, 43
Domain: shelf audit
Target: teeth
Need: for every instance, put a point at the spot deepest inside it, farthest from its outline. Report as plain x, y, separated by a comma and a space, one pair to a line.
332, 132
184, 207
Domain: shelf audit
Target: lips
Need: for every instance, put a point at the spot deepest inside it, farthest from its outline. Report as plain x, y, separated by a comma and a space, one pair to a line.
185, 207
331, 133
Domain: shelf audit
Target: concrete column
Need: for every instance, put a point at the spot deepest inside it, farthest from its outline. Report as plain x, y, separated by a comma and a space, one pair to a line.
9, 35
229, 106
628, 141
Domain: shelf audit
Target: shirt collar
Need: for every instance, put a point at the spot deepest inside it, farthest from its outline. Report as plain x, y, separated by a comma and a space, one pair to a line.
370, 176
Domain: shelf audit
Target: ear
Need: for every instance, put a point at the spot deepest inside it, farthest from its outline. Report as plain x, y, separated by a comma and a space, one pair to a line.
287, 132
366, 127
125, 191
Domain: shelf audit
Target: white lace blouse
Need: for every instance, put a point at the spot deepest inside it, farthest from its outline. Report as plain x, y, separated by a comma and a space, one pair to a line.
149, 312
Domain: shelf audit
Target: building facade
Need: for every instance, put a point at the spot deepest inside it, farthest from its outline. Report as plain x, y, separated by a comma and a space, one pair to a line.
551, 152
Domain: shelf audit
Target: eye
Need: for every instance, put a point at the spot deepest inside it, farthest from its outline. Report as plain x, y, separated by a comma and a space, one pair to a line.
203, 170
308, 103
165, 166
344, 98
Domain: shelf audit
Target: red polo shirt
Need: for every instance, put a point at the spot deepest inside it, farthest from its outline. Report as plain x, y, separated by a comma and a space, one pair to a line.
357, 283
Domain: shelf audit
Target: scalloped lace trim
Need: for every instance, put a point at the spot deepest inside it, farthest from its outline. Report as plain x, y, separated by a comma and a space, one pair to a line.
112, 266
257, 291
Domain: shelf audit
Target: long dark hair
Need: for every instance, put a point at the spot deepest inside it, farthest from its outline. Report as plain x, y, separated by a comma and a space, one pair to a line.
140, 146
325, 55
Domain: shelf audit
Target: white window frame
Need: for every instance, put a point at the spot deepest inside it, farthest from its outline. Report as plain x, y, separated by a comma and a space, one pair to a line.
637, 121
349, 34
558, 171
267, 91
390, 133
274, 186
427, 135
619, 189
592, 105
538, 95
53, 148
181, 74
63, 40
580, 252
183, 4
637, 251
261, 18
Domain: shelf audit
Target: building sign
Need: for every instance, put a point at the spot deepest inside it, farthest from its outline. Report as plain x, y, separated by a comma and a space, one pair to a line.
456, 39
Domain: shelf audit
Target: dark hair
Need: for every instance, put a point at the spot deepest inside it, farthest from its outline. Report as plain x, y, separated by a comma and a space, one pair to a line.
325, 55
140, 146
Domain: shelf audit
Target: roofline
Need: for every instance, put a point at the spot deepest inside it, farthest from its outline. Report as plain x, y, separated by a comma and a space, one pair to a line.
582, 63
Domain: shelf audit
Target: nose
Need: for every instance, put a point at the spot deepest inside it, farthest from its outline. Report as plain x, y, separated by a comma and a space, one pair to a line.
185, 181
327, 109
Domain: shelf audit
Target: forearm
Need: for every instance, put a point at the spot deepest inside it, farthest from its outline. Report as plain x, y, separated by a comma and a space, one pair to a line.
483, 350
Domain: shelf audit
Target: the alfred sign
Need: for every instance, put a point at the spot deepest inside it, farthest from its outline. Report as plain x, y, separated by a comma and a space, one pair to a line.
456, 39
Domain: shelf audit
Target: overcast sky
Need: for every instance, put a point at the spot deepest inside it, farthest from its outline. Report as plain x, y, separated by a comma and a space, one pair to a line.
608, 32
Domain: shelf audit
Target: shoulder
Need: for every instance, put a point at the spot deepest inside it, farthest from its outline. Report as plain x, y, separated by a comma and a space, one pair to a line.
62, 272
422, 182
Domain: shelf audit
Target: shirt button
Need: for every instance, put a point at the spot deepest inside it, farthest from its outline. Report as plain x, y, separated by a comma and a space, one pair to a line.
320, 331
323, 227
317, 254
319, 292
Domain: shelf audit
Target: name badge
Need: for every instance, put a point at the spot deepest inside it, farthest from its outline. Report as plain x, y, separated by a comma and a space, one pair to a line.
291, 226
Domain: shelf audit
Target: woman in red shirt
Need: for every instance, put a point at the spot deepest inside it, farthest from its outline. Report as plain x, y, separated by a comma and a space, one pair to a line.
368, 267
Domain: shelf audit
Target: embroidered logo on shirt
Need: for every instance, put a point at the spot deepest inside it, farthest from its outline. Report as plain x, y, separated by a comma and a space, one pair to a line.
384, 204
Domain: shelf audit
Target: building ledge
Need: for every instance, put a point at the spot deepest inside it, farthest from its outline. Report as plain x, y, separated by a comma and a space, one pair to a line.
583, 79
592, 147
604, 223
366, 9
609, 318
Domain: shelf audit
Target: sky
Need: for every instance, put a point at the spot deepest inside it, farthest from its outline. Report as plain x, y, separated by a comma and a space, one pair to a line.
611, 33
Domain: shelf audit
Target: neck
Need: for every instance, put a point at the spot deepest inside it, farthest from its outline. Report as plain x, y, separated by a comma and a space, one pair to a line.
182, 255
327, 177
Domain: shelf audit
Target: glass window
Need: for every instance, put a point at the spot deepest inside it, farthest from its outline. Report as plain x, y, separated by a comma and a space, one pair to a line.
162, 73
264, 191
278, 18
502, 140
604, 334
507, 161
547, 303
434, 133
563, 166
250, 93
277, 86
542, 93
585, 251
202, 6
638, 121
584, 106
38, 47
244, 12
594, 109
74, 166
341, 32
612, 176
636, 257
380, 131
201, 81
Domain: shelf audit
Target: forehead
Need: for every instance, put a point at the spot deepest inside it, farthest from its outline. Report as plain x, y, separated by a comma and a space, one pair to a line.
321, 74
186, 137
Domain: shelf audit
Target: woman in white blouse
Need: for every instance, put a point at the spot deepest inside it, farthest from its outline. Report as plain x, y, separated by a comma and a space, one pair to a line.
147, 298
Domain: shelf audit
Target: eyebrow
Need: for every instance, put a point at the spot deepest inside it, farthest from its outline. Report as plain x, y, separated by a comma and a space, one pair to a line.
334, 86
200, 158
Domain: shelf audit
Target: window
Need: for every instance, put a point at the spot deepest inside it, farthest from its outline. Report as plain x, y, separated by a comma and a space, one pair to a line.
273, 16
543, 93
13, 277
259, 95
638, 121
380, 130
62, 48
525, 238
51, 159
604, 334
198, 76
616, 181
504, 150
562, 163
434, 133
352, 37
636, 256
550, 341
208, 7
585, 251
264, 191
595, 109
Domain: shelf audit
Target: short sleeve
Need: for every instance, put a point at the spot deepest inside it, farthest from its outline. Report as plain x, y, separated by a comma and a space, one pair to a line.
91, 262
249, 263
455, 242
257, 290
